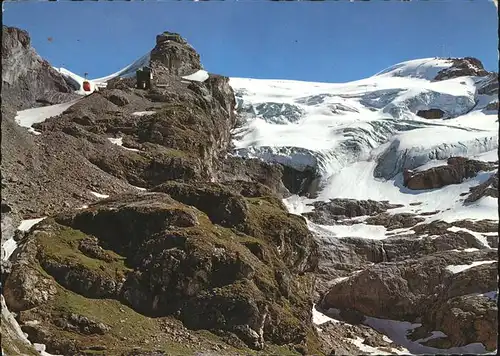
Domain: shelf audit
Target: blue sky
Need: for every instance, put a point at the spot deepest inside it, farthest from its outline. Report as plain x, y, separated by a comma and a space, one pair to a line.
313, 41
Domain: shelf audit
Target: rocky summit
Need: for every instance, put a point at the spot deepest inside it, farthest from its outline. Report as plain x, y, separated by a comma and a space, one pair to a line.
184, 218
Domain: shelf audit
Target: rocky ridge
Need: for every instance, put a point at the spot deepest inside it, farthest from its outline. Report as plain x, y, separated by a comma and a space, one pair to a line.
212, 258
27, 79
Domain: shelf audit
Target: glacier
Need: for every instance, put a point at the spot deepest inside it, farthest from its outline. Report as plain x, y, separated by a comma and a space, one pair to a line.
330, 127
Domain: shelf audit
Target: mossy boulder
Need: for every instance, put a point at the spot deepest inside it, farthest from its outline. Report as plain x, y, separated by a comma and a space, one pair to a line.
223, 206
163, 258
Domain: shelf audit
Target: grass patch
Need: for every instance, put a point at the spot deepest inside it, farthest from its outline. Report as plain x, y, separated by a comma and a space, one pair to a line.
62, 247
128, 329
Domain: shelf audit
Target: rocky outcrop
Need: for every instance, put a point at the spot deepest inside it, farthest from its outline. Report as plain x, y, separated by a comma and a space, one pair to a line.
27, 79
431, 114
341, 257
425, 288
395, 221
494, 105
249, 176
184, 139
338, 209
221, 205
172, 55
303, 183
467, 319
456, 171
488, 188
489, 85
164, 258
462, 67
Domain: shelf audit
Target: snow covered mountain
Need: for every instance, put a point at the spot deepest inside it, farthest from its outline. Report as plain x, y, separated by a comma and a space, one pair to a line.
361, 138
371, 123
394, 176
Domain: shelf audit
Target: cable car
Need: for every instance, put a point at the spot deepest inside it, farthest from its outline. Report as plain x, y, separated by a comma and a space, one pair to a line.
86, 85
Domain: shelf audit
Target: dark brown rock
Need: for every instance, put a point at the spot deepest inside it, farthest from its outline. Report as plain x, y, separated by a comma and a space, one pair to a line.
494, 105
395, 221
237, 169
489, 188
468, 319
220, 204
431, 114
337, 209
173, 55
462, 67
422, 288
457, 170
81, 324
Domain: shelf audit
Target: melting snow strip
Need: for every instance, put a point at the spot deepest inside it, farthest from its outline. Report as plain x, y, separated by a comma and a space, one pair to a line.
398, 331
471, 249
119, 142
26, 225
319, 318
434, 335
143, 113
140, 188
34, 132
199, 76
98, 195
492, 295
26, 118
10, 245
460, 268
374, 350
8, 248
480, 237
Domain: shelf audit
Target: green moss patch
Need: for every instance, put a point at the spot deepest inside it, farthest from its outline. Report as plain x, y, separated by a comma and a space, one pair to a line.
61, 246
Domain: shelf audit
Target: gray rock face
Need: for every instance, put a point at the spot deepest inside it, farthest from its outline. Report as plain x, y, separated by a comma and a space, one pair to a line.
336, 209
487, 188
173, 55
425, 288
456, 171
279, 113
26, 77
489, 84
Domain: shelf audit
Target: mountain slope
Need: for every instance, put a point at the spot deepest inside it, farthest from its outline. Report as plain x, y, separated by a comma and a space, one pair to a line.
213, 261
391, 138
27, 79
145, 230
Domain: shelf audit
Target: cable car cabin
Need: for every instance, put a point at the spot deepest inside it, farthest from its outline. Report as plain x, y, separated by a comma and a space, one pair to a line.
86, 85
